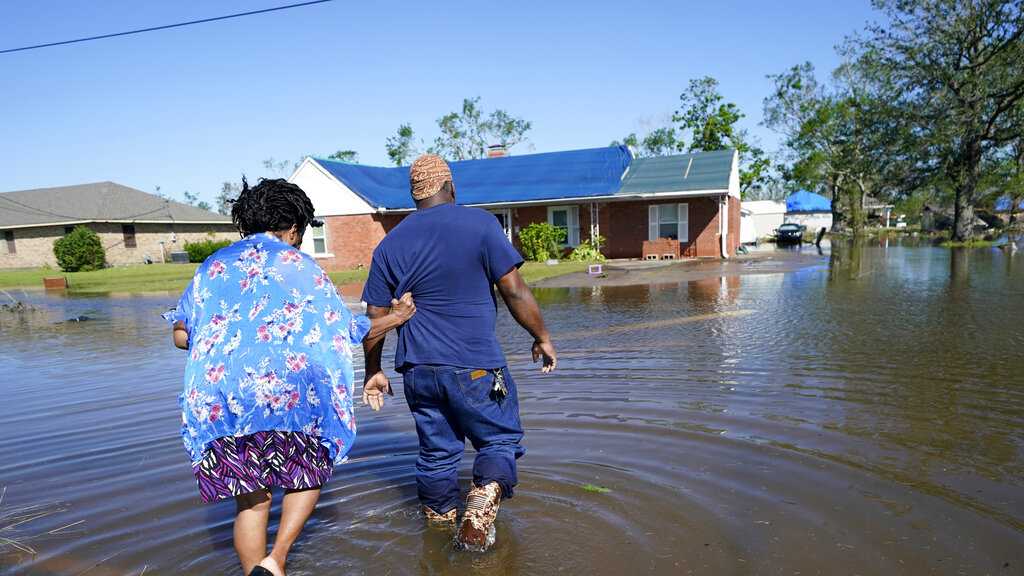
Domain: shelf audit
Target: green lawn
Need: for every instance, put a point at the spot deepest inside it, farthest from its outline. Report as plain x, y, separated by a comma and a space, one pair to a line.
349, 276
140, 278
537, 271
174, 277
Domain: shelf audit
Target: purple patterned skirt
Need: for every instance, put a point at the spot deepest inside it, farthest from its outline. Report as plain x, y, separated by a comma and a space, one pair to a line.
236, 465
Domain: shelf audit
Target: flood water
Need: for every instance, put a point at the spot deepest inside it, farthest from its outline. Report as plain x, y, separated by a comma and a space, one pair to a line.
862, 415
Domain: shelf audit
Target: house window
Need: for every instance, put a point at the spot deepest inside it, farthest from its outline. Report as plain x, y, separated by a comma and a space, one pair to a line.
504, 216
128, 232
68, 230
668, 221
319, 234
568, 219
9, 237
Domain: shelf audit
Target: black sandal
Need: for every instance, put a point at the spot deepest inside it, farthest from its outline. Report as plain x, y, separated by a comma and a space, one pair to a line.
260, 571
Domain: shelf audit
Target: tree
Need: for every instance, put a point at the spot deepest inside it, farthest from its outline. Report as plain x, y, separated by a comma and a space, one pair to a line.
659, 142
838, 137
350, 156
713, 125
955, 70
280, 168
464, 134
193, 200
80, 250
1016, 184
401, 147
229, 192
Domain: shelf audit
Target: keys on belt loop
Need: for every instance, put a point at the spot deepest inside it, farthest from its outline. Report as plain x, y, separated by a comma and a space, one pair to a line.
500, 389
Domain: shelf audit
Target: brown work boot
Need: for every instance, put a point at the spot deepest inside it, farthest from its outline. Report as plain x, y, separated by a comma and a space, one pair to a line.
477, 530
438, 520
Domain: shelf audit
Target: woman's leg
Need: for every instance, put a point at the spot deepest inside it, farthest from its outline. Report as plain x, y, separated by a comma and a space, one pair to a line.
296, 507
251, 528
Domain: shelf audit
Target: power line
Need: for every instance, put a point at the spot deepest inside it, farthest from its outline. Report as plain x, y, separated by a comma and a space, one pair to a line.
164, 27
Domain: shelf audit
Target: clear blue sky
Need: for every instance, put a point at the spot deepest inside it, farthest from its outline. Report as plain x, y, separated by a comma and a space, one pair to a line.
188, 108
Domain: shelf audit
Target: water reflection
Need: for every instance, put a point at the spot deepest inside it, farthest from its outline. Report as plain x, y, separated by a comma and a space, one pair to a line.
868, 413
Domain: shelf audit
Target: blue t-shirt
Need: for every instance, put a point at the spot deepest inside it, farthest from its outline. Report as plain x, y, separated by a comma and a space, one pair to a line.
449, 257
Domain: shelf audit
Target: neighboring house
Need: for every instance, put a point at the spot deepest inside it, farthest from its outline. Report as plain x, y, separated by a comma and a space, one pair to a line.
764, 216
877, 211
810, 209
134, 226
691, 198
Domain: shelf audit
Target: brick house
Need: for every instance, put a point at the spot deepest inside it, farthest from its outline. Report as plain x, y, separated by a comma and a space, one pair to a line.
133, 226
692, 199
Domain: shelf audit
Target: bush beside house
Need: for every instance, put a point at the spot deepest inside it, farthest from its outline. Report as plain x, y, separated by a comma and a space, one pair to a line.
540, 241
588, 251
80, 251
200, 251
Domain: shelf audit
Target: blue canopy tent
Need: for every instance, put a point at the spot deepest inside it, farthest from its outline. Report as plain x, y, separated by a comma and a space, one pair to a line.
1003, 204
804, 201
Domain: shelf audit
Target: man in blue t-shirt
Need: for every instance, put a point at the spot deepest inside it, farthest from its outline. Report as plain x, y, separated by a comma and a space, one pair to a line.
455, 377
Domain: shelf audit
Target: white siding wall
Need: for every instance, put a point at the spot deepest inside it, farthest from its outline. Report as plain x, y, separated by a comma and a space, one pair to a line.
813, 220
329, 196
734, 176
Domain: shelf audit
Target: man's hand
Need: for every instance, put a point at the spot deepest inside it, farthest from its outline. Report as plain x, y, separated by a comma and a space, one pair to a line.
404, 308
545, 349
374, 389
180, 335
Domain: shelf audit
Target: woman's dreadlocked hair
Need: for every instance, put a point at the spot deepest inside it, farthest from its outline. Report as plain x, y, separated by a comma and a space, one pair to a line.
272, 205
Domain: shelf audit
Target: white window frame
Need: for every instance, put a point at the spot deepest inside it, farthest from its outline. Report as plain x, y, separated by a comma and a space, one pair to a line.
507, 214
682, 221
313, 238
572, 220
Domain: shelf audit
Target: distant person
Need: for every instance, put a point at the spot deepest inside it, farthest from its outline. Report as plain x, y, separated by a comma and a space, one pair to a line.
455, 376
268, 380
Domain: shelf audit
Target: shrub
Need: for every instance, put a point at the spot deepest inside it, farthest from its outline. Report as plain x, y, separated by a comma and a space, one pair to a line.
587, 251
80, 250
200, 251
540, 241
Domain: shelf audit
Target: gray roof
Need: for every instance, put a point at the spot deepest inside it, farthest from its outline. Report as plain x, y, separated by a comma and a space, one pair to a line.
679, 173
96, 202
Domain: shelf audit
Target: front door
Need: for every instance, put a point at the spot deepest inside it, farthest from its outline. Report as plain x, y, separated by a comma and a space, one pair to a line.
504, 216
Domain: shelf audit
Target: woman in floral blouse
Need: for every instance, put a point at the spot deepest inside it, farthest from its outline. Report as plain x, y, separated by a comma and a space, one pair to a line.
268, 381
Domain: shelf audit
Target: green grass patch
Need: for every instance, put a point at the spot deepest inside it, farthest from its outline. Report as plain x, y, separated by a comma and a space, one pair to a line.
140, 278
536, 271
25, 277
349, 276
174, 277
972, 243
594, 488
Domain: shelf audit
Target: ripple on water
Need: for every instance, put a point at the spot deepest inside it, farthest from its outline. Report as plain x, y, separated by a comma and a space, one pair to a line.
868, 416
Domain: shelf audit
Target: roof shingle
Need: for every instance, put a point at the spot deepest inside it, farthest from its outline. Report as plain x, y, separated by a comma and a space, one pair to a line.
95, 202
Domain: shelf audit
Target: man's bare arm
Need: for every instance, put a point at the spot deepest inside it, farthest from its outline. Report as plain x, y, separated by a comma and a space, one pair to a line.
373, 344
376, 383
524, 309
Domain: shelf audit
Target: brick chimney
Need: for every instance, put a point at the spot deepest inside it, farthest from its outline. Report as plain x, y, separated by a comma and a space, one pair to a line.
496, 151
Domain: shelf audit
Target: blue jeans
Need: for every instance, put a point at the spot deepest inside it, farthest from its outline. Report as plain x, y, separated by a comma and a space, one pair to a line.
450, 405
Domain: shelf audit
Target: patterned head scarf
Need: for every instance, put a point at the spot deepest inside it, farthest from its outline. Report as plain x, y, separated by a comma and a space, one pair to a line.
426, 176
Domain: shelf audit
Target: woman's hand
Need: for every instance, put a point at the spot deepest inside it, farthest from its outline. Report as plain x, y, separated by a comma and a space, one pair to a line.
384, 319
403, 308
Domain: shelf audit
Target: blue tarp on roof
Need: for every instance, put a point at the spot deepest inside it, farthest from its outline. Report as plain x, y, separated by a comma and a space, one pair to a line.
804, 201
1003, 204
570, 174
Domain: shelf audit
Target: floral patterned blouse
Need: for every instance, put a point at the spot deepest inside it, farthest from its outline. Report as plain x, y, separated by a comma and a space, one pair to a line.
270, 348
